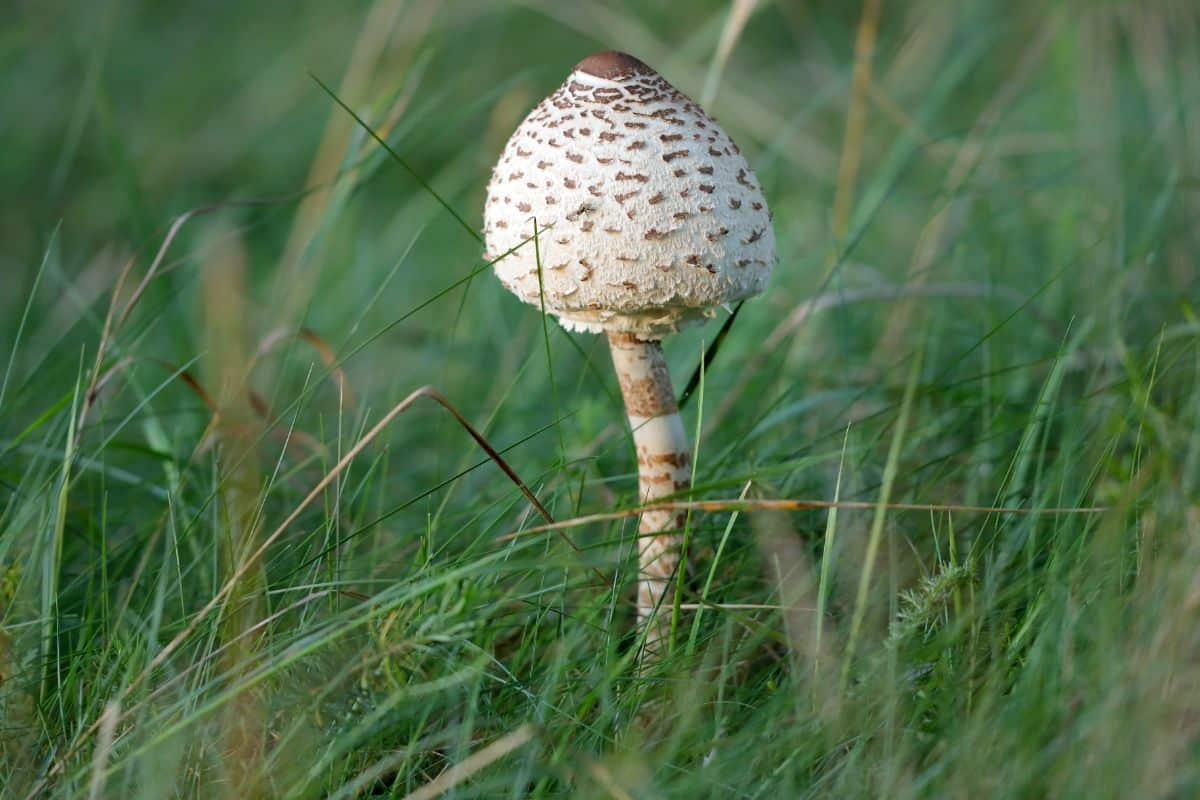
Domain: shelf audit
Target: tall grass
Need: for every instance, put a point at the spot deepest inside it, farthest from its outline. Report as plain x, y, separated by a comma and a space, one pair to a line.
242, 555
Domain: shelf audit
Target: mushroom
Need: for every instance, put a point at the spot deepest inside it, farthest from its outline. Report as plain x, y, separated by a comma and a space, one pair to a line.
647, 218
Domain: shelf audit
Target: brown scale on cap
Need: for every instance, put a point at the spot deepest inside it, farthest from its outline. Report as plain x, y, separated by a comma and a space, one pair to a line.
612, 65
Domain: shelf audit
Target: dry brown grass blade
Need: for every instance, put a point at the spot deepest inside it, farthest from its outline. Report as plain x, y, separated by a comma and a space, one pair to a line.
113, 319
176, 226
318, 343
189, 379
116, 370
252, 559
329, 358
734, 504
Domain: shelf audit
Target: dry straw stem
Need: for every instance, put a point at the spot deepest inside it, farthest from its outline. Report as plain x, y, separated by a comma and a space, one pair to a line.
237, 431
104, 746
473, 763
856, 117
734, 504
740, 12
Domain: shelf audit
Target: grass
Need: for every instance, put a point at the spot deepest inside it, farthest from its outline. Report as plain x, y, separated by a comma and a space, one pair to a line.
242, 555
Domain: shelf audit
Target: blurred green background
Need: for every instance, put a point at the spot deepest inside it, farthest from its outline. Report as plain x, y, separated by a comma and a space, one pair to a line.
986, 296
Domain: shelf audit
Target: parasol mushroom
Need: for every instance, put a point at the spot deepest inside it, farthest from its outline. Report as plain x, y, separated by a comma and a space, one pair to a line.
647, 219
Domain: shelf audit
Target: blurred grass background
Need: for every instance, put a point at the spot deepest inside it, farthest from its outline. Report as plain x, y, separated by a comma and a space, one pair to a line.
986, 296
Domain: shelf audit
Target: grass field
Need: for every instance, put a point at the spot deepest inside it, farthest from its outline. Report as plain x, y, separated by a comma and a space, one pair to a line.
239, 558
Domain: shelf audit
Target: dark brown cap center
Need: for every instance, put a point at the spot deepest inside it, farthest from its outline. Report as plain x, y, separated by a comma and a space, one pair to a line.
613, 65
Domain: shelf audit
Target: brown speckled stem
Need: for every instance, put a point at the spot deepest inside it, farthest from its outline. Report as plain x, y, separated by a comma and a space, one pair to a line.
664, 468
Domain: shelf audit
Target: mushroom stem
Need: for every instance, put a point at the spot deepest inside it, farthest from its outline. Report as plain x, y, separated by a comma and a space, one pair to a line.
664, 468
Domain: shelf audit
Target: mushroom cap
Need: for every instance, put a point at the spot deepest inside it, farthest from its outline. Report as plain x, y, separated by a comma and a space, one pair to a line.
648, 216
